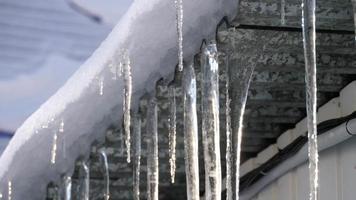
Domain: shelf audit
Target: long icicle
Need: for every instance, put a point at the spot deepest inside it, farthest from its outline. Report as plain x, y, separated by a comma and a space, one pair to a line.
229, 153
354, 12
126, 72
179, 21
309, 36
84, 181
191, 133
241, 87
172, 132
105, 171
210, 122
67, 183
152, 147
137, 164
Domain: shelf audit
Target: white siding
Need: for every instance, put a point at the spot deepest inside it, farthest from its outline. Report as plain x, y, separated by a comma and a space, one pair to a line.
337, 177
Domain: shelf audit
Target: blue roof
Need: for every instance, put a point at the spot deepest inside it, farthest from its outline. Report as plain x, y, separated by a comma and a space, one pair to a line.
31, 30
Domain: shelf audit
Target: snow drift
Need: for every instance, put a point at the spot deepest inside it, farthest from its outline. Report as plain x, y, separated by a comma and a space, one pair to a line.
148, 33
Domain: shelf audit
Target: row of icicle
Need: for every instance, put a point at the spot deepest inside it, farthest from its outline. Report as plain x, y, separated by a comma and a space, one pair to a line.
210, 124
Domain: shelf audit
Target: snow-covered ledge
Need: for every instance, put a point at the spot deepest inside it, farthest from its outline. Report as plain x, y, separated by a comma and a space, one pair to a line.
148, 33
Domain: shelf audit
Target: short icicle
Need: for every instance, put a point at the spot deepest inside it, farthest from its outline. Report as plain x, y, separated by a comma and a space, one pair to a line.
126, 72
55, 142
67, 184
172, 132
105, 171
179, 23
191, 133
101, 86
54, 148
84, 181
9, 190
152, 150
137, 160
210, 122
309, 36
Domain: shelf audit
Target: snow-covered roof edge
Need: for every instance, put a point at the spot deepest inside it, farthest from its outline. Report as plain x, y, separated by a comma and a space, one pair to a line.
148, 33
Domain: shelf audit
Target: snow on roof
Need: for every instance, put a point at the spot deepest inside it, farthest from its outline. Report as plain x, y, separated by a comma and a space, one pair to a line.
148, 33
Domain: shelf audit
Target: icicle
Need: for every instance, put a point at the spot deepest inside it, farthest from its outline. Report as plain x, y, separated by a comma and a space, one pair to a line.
67, 181
244, 72
229, 165
210, 122
172, 132
152, 149
61, 126
191, 133
308, 23
101, 86
354, 10
54, 149
283, 12
137, 164
105, 170
84, 181
179, 21
9, 190
55, 143
125, 66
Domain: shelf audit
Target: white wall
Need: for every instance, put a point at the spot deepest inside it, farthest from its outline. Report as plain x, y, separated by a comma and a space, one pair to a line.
337, 177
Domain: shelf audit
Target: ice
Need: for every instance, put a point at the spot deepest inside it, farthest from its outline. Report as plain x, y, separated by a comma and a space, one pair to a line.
105, 171
9, 190
172, 131
210, 122
55, 142
54, 149
245, 72
61, 126
283, 12
87, 115
179, 22
84, 181
308, 24
126, 72
67, 187
137, 159
191, 133
152, 150
101, 86
229, 153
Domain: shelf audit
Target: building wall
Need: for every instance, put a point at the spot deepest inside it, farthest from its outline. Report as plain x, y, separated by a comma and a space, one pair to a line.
337, 177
